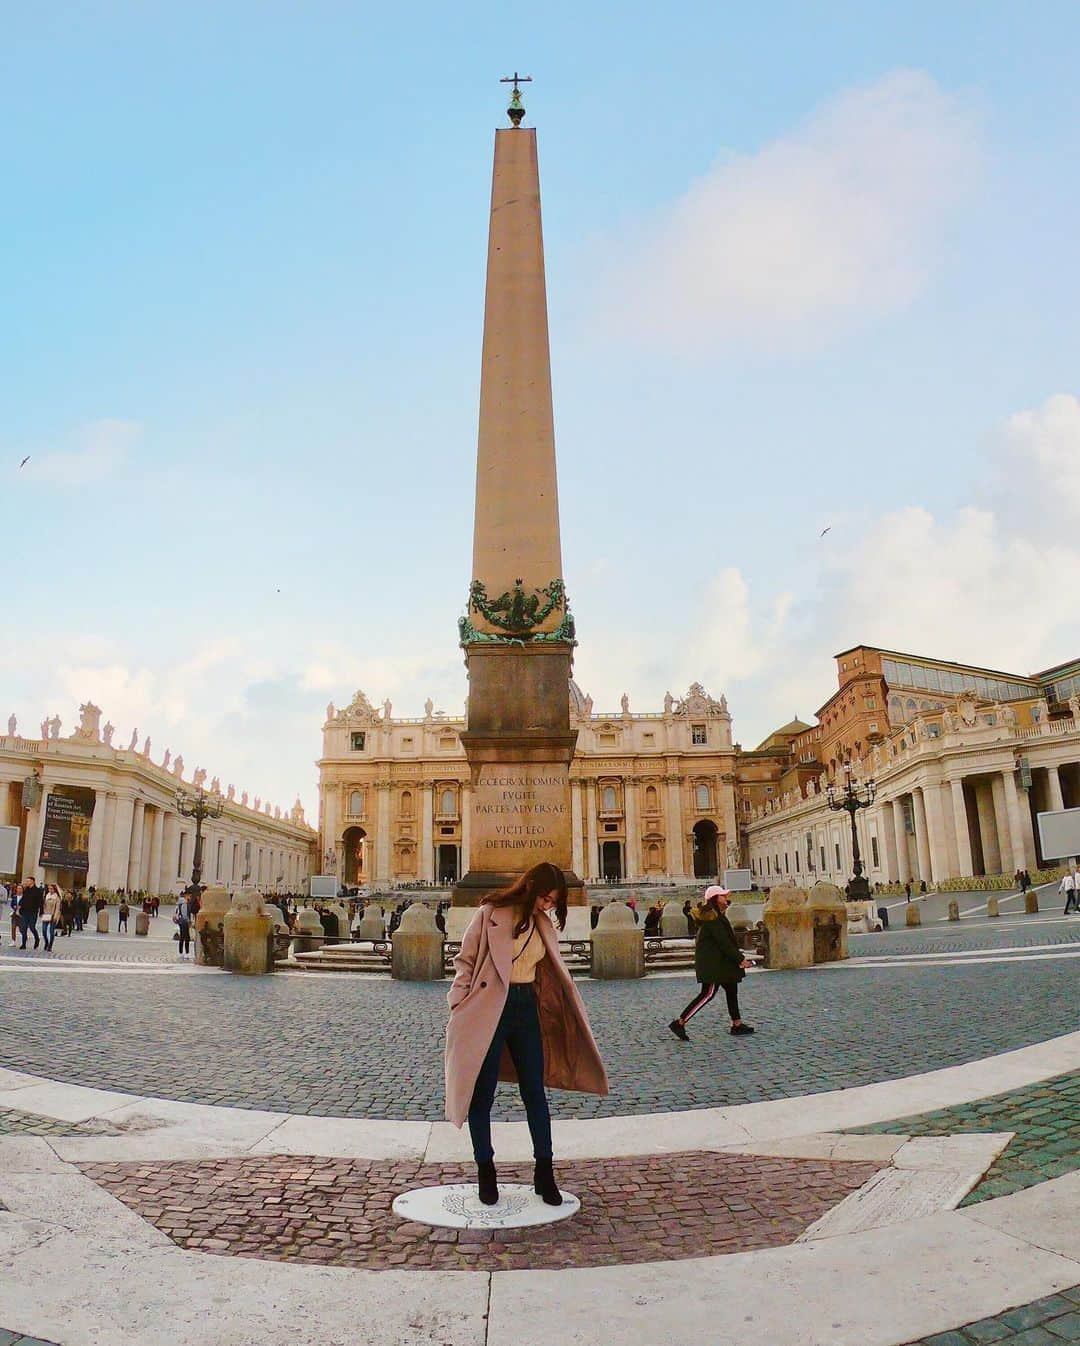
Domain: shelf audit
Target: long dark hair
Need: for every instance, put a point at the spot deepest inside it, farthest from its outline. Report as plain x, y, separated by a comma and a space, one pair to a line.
526, 891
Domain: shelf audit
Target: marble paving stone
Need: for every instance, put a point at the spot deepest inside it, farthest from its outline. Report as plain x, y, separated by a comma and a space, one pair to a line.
77, 1205
157, 1128
65, 1102
346, 1138
457, 1206
19, 1235
1047, 1216
823, 1145
972, 1152
893, 1196
29, 1154
784, 1296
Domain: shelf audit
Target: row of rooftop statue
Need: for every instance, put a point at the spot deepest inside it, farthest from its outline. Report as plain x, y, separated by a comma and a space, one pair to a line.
245, 933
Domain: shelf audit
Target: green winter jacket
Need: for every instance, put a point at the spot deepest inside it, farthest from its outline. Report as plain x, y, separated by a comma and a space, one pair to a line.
716, 952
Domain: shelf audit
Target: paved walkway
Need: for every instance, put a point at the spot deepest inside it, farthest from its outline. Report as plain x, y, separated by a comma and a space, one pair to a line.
1049, 1321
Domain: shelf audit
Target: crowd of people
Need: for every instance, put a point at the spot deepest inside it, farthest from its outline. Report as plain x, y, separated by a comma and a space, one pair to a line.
61, 911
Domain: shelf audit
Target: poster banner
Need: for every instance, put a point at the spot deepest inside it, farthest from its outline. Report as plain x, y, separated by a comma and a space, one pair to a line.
65, 838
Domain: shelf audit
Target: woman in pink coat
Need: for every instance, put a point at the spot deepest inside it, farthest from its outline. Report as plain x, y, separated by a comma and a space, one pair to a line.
515, 1014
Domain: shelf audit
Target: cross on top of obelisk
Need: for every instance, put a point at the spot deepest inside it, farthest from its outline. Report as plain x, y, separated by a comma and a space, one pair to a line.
516, 110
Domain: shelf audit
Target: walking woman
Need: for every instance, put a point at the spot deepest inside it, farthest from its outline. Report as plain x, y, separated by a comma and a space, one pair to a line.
718, 961
515, 1014
182, 918
50, 915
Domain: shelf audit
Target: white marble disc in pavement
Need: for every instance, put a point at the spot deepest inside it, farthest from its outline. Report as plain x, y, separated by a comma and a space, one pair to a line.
457, 1206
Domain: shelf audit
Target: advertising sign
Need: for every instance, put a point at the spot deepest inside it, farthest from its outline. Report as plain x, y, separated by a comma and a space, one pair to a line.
1059, 834
738, 880
323, 885
9, 849
65, 838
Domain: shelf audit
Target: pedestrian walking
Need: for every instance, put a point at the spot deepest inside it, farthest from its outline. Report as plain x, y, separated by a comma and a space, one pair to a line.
29, 910
122, 914
50, 915
718, 962
182, 921
13, 904
1067, 889
516, 1014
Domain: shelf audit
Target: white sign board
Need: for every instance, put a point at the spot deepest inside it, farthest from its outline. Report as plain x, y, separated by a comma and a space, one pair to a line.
323, 885
738, 880
1059, 834
9, 849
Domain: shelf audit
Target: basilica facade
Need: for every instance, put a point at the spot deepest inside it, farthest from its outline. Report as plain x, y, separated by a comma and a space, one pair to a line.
653, 794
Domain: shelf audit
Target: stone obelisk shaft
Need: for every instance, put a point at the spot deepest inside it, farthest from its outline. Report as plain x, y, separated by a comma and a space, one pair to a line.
518, 742
516, 524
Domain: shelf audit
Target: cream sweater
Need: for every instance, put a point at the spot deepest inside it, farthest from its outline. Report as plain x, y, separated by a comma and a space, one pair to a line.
528, 951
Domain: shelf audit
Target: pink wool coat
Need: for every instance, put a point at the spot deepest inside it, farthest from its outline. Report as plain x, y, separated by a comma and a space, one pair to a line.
477, 997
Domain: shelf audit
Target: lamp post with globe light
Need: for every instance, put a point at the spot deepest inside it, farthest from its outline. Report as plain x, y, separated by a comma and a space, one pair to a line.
850, 799
200, 806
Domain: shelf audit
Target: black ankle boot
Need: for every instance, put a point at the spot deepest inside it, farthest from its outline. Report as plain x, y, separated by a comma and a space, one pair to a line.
488, 1183
544, 1183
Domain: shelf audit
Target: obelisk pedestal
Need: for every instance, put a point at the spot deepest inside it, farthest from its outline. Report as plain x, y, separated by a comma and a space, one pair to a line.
517, 634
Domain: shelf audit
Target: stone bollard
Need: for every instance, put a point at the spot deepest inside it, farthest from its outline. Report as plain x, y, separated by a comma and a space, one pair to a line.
790, 924
309, 932
1031, 902
416, 949
914, 914
246, 929
618, 945
341, 911
738, 918
210, 927
142, 922
954, 911
372, 925
829, 912
279, 938
992, 907
103, 922
673, 924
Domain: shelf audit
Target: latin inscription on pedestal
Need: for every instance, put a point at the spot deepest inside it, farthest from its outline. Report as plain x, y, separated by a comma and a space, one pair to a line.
520, 816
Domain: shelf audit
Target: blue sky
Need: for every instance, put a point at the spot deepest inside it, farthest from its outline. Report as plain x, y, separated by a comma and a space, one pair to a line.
807, 266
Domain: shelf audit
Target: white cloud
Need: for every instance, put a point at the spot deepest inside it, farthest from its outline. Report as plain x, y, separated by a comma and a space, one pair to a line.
99, 449
1036, 457
834, 224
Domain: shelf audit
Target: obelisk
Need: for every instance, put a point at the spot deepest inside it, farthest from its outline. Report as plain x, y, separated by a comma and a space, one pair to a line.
517, 632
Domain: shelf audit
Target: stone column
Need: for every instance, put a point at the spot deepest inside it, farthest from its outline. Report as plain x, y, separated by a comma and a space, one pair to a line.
97, 838
135, 854
1015, 808
888, 828
121, 842
382, 833
1007, 841
676, 861
170, 837
903, 853
576, 825
35, 827
922, 840
988, 828
633, 829
963, 834
1053, 782
466, 827
592, 863
935, 833
427, 853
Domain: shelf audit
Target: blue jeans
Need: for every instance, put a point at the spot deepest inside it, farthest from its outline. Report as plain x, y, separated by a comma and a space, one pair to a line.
519, 1029
48, 929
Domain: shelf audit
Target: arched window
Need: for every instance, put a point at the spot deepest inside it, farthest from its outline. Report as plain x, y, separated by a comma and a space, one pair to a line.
651, 799
356, 803
406, 803
448, 803
609, 801
701, 796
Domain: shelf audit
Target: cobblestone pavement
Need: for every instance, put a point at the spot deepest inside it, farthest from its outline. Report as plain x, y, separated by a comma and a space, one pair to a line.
1044, 1322
1045, 1117
961, 937
371, 1048
338, 1211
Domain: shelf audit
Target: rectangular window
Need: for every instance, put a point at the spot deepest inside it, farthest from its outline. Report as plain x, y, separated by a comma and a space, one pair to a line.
933, 680
822, 849
796, 862
357, 739
220, 853
607, 740
180, 856
649, 740
406, 743
919, 676
235, 854
837, 855
874, 851
699, 734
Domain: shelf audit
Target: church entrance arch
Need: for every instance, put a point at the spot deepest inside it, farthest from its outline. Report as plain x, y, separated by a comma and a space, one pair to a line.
448, 865
705, 858
353, 846
611, 861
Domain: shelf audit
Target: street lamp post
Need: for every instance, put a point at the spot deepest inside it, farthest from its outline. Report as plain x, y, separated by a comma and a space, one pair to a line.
199, 806
850, 800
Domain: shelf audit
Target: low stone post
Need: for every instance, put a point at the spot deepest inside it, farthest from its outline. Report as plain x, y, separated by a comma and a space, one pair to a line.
914, 915
309, 934
339, 910
618, 945
142, 922
1031, 902
246, 929
954, 911
210, 927
992, 908
673, 924
372, 925
416, 950
829, 912
103, 921
790, 924
279, 938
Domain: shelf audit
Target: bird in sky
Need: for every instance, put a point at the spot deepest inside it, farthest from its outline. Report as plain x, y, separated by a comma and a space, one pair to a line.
24, 462
825, 530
